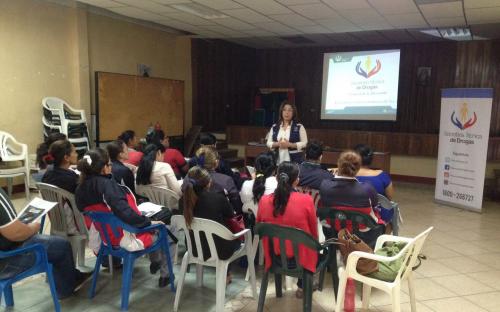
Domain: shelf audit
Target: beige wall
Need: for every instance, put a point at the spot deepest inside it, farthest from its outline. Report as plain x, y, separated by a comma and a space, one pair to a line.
118, 46
53, 50
38, 59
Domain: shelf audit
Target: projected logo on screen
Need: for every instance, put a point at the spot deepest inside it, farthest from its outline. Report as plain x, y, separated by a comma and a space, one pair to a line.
465, 121
368, 70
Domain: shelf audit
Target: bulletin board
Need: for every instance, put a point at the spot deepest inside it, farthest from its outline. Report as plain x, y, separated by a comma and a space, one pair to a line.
126, 102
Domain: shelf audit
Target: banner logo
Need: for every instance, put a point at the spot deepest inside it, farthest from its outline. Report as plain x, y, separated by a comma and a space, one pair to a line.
465, 121
368, 70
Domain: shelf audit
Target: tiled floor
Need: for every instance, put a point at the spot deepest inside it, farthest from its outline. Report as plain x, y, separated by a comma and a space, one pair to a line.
462, 272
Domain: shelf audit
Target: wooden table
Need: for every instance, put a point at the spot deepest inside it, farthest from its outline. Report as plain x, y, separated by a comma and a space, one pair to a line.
381, 160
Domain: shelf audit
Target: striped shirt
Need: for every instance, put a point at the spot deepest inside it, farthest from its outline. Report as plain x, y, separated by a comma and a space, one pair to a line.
7, 216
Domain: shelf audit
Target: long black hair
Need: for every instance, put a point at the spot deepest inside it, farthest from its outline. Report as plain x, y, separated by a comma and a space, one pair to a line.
265, 166
127, 136
93, 166
288, 173
57, 151
42, 150
196, 180
366, 154
147, 162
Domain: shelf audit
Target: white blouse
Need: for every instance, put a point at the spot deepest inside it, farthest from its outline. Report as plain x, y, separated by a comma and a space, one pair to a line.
163, 176
284, 133
246, 194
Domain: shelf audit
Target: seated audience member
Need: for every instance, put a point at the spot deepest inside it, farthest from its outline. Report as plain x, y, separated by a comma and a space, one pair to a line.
264, 183
311, 174
42, 152
289, 208
380, 180
118, 153
209, 159
344, 192
99, 192
15, 234
130, 139
198, 201
209, 140
172, 156
153, 171
62, 155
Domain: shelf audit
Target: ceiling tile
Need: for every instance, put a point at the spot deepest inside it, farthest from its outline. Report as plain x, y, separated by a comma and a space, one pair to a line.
347, 4
320, 39
221, 30
265, 6
188, 18
219, 4
314, 29
447, 21
397, 35
137, 13
292, 20
344, 39
314, 11
233, 23
178, 25
394, 7
171, 1
102, 3
258, 33
473, 4
367, 19
338, 25
147, 5
410, 20
483, 15
445, 9
295, 2
371, 37
278, 28
247, 15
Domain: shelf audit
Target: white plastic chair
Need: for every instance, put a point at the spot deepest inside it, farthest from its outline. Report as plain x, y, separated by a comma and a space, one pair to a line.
389, 204
410, 255
211, 228
60, 215
61, 110
13, 151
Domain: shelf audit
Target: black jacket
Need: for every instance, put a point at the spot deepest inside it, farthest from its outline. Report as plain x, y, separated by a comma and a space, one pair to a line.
62, 178
123, 175
311, 175
105, 190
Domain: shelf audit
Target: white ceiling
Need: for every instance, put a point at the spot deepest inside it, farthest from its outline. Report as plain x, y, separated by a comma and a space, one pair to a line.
264, 23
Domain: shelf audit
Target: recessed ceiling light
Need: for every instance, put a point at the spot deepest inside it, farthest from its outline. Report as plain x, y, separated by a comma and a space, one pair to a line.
199, 10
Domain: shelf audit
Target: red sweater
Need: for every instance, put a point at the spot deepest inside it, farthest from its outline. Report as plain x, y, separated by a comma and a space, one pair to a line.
299, 213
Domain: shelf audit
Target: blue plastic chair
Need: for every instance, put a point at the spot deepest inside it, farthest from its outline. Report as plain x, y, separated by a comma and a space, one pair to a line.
108, 220
41, 265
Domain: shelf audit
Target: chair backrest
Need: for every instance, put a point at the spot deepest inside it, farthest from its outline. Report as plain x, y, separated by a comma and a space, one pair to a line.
11, 150
312, 192
283, 234
57, 215
159, 195
346, 218
411, 257
107, 223
385, 202
209, 228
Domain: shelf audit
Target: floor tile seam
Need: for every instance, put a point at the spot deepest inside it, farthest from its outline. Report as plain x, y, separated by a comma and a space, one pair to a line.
442, 285
460, 297
489, 267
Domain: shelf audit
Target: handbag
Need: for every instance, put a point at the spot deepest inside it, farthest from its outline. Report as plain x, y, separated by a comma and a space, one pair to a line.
349, 243
236, 224
130, 242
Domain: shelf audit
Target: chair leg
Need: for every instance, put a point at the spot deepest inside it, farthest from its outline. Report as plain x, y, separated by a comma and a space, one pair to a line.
111, 268
128, 267
52, 285
367, 290
251, 269
9, 186
9, 296
396, 299
95, 275
81, 253
199, 275
334, 270
411, 288
180, 281
221, 274
176, 256
322, 278
307, 284
169, 264
27, 186
340, 295
278, 285
263, 291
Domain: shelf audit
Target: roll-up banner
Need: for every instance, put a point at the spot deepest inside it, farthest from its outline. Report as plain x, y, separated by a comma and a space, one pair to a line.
463, 146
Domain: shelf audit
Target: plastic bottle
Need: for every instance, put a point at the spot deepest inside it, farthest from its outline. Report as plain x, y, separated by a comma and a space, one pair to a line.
350, 293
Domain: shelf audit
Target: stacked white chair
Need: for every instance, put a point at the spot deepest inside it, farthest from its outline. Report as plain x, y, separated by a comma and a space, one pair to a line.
15, 155
59, 117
